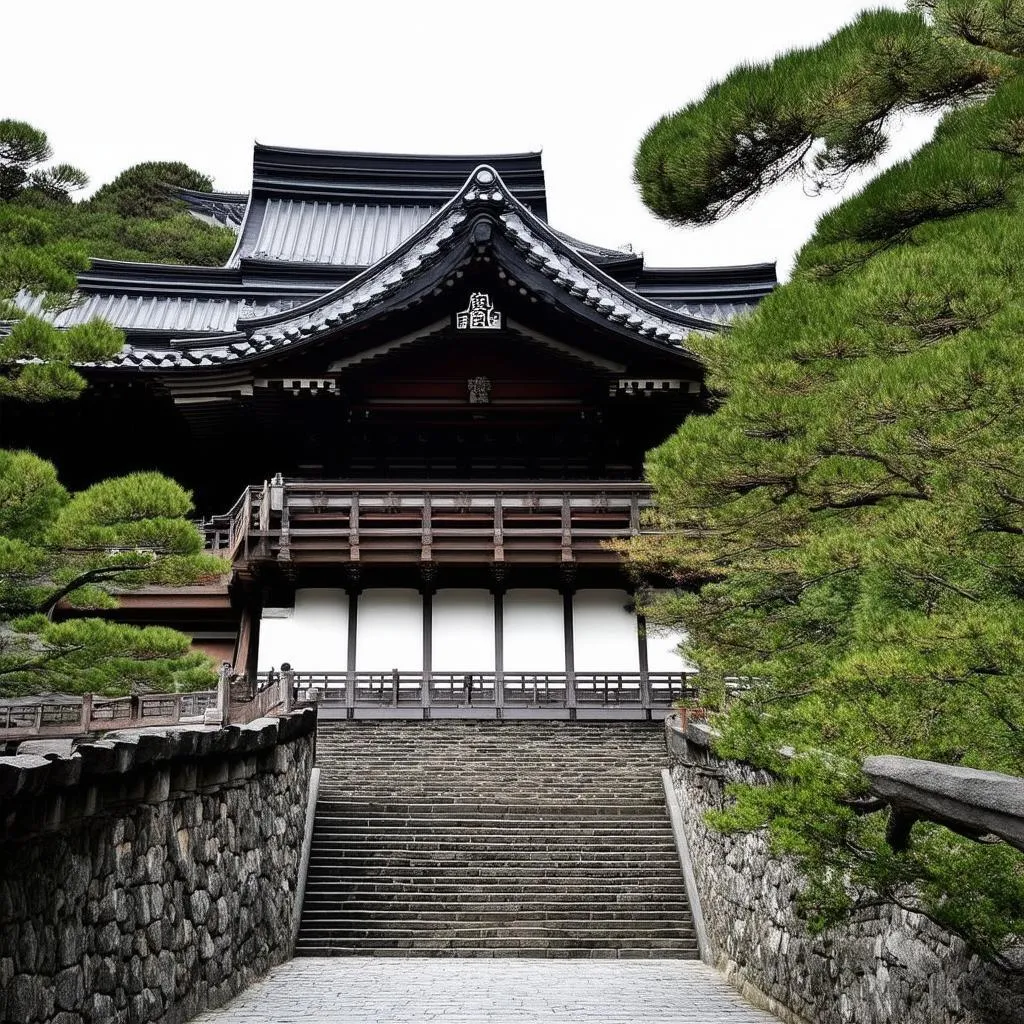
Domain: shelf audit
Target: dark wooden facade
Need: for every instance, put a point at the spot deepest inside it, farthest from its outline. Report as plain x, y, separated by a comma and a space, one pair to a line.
471, 406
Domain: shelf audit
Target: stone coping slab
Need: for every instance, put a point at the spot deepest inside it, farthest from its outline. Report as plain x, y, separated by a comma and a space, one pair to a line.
122, 752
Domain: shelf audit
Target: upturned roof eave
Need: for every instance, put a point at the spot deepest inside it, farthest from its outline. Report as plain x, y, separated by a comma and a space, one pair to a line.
452, 215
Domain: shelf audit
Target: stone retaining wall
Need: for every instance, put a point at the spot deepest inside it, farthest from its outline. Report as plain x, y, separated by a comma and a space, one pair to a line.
150, 875
887, 966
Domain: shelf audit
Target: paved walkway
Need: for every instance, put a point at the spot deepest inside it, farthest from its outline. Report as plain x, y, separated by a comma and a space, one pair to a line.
397, 990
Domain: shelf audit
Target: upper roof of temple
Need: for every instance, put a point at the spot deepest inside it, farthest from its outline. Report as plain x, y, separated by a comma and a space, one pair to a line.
317, 225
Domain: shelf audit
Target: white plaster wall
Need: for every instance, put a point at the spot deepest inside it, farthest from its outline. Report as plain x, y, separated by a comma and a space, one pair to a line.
534, 634
604, 633
314, 638
389, 631
275, 639
663, 650
463, 631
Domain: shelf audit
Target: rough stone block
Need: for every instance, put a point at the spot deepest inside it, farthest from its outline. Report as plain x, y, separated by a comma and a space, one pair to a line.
69, 988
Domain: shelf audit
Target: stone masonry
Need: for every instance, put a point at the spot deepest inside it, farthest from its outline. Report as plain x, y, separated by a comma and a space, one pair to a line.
151, 875
886, 965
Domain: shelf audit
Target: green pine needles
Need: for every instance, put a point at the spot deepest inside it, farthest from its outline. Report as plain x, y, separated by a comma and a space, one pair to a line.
74, 552
75, 549
848, 525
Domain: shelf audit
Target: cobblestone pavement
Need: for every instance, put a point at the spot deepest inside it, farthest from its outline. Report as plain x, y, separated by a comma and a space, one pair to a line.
399, 990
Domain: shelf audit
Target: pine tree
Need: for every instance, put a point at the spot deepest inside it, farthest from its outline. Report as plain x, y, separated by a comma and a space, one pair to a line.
59, 549
74, 549
846, 526
45, 240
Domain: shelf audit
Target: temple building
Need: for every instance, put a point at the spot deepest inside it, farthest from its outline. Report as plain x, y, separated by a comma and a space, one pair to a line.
413, 414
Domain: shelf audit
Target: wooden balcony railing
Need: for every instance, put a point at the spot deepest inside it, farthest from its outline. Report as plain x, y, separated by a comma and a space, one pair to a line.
493, 694
400, 522
95, 714
75, 718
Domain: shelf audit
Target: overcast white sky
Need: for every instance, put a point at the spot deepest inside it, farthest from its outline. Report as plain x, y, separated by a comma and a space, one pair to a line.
115, 82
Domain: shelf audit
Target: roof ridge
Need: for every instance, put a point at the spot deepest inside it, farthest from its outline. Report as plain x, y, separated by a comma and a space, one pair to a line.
484, 192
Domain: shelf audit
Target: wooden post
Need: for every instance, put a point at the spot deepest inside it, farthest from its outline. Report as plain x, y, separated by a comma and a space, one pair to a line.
353, 639
499, 648
499, 529
426, 530
570, 657
428, 642
645, 675
284, 551
86, 711
566, 527
246, 521
244, 642
353, 528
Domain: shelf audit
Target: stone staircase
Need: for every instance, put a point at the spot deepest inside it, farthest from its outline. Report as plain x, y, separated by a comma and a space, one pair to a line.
495, 839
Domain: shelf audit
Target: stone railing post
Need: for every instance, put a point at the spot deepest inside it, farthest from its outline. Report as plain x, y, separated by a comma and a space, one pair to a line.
287, 687
86, 711
220, 714
224, 692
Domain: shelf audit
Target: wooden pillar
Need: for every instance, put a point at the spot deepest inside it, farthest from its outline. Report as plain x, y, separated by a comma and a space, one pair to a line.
353, 528
499, 530
570, 659
499, 648
426, 530
284, 551
353, 634
634, 514
427, 593
567, 552
248, 638
645, 676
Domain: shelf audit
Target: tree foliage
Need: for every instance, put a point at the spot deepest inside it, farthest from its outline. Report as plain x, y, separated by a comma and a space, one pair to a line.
57, 548
22, 150
46, 240
846, 527
145, 190
76, 548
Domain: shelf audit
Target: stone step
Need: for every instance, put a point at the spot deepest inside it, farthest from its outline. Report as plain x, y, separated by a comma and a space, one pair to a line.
312, 949
569, 850
457, 928
513, 946
466, 903
498, 938
468, 810
503, 889
555, 912
494, 868
533, 824
557, 871
493, 839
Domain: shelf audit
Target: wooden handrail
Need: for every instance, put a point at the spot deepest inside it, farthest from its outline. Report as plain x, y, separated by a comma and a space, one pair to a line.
644, 691
295, 520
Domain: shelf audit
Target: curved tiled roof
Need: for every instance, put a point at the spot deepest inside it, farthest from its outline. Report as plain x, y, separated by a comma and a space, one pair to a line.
484, 192
483, 198
325, 236
341, 234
